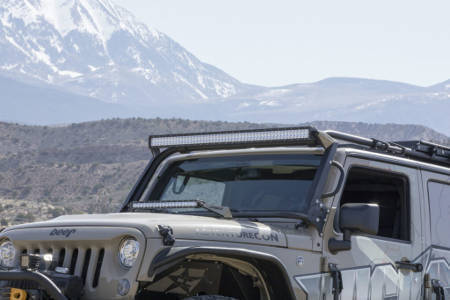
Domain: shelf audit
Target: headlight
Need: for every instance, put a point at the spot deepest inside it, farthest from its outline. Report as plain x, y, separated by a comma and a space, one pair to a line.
7, 254
128, 252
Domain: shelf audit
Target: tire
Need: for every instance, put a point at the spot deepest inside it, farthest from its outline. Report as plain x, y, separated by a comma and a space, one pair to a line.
210, 297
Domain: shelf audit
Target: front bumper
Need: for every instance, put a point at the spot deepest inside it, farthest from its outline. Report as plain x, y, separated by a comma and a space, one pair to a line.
55, 286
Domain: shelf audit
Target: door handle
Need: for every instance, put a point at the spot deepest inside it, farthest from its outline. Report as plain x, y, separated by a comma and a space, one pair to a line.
406, 265
338, 284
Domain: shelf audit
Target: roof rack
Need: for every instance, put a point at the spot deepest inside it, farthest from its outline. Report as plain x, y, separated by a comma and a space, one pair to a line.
293, 136
420, 150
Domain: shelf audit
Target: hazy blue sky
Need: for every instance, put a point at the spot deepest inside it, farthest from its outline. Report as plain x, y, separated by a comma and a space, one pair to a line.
280, 42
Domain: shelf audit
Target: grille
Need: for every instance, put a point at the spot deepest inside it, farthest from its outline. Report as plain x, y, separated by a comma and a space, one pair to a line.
85, 263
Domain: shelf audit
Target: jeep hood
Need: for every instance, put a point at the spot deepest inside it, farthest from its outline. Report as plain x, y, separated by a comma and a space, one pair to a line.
186, 227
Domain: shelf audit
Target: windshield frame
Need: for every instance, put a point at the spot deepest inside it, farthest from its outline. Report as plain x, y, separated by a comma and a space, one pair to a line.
315, 214
163, 167
227, 190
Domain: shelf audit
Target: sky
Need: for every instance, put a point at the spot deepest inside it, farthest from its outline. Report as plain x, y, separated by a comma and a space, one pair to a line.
274, 43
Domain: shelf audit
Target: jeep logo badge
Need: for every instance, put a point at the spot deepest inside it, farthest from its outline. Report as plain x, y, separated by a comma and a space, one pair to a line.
62, 232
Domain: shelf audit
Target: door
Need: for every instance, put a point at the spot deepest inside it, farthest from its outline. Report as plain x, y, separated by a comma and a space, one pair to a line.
385, 265
436, 231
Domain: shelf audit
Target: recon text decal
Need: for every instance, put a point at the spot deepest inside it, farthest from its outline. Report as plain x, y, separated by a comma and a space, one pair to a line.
245, 234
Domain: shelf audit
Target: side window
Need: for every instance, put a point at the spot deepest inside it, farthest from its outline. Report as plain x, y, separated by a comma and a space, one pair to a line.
389, 191
439, 197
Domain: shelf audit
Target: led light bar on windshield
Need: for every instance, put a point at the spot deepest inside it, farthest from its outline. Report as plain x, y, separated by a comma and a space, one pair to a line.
165, 204
263, 136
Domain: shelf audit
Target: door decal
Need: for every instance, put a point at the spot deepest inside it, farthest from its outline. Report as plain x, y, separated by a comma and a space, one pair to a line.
380, 281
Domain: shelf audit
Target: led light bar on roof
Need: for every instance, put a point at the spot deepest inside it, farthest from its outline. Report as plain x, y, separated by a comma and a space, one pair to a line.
263, 136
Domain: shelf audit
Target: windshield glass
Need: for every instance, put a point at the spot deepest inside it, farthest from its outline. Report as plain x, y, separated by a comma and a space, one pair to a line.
242, 183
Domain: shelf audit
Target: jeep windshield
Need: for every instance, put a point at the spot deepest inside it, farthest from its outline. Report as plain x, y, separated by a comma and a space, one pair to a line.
244, 183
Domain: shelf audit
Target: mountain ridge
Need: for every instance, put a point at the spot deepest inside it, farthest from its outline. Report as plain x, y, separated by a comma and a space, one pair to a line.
94, 49
96, 41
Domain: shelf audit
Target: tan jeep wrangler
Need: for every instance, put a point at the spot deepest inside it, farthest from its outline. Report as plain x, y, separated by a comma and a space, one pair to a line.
283, 213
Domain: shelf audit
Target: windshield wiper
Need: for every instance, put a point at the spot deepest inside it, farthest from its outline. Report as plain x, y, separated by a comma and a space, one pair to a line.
223, 211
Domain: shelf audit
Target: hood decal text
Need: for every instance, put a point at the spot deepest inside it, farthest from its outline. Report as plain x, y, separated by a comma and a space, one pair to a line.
244, 234
62, 232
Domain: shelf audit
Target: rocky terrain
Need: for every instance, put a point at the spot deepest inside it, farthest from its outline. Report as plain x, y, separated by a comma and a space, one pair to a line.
90, 167
13, 211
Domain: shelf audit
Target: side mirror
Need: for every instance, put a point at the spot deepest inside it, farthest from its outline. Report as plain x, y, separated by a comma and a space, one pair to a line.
355, 217
362, 217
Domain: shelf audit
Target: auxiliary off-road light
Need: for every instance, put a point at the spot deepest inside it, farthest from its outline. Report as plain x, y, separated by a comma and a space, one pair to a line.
128, 252
8, 254
263, 136
35, 261
165, 204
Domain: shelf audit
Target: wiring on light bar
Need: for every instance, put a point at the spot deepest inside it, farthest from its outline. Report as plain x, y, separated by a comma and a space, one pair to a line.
238, 137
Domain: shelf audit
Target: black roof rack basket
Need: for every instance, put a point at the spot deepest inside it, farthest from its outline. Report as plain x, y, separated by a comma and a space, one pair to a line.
420, 150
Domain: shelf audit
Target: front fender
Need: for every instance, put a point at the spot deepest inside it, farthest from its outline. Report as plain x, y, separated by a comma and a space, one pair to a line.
271, 267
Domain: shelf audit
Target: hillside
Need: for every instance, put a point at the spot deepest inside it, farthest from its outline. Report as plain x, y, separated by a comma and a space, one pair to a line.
90, 167
37, 103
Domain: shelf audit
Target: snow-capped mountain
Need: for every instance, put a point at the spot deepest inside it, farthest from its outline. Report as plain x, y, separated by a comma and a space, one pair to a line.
344, 99
98, 49
95, 50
